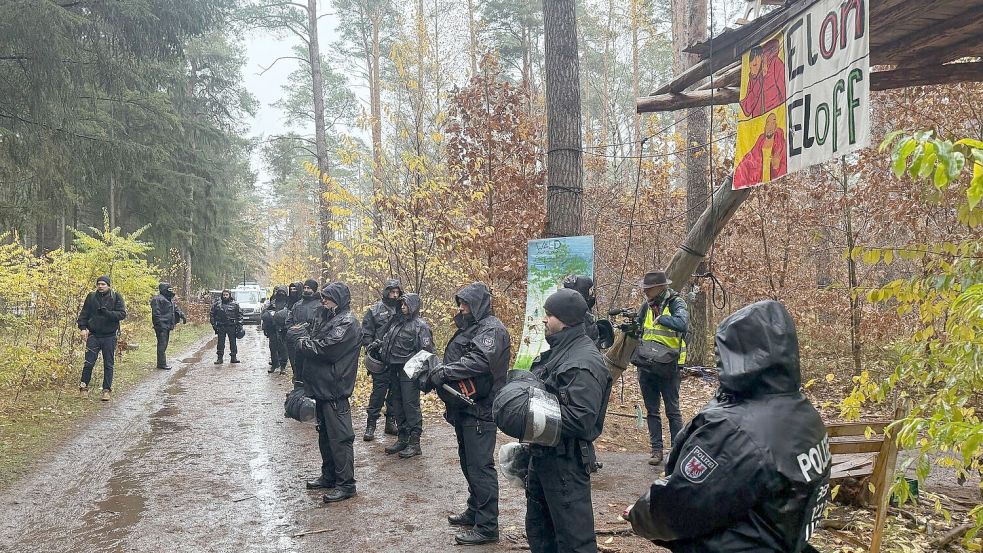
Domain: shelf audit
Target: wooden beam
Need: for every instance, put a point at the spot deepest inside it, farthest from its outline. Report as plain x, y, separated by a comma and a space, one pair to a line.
921, 76
715, 217
855, 446
840, 429
751, 34
697, 98
879, 80
923, 43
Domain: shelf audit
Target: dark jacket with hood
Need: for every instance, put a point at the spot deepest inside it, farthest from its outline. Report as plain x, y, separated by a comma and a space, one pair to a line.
751, 471
275, 314
480, 349
303, 311
575, 372
164, 313
225, 313
584, 285
294, 293
407, 335
376, 319
331, 348
101, 313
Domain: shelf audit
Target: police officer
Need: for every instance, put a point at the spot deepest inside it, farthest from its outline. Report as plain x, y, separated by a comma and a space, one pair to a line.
750, 472
585, 286
559, 514
300, 314
274, 323
661, 349
374, 326
164, 314
226, 318
330, 354
475, 361
408, 334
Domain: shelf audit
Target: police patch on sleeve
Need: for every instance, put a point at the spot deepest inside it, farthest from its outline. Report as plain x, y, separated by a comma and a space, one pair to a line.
697, 465
488, 341
338, 332
425, 341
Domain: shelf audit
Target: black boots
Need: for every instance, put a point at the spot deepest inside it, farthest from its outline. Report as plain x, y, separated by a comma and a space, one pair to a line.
338, 494
475, 537
234, 360
463, 519
402, 442
656, 458
218, 361
391, 426
320, 484
412, 449
369, 430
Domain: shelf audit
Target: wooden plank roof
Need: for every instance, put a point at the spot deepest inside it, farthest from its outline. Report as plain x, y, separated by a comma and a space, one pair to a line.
917, 37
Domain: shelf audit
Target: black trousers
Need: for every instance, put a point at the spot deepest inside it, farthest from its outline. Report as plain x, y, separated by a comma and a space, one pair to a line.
476, 452
94, 345
406, 401
163, 337
335, 438
559, 513
382, 394
229, 333
278, 350
658, 389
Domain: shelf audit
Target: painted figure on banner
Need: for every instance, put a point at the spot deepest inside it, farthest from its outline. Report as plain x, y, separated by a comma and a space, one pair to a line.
768, 158
765, 89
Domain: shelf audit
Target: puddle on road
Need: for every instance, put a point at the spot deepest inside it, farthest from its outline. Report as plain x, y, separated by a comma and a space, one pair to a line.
197, 356
108, 523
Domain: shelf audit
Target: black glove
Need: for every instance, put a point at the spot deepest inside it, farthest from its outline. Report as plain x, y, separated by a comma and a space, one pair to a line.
374, 347
437, 377
215, 328
184, 320
423, 382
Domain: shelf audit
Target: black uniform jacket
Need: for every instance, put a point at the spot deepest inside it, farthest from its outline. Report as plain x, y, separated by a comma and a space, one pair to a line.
101, 313
751, 471
331, 348
225, 314
376, 320
480, 349
407, 334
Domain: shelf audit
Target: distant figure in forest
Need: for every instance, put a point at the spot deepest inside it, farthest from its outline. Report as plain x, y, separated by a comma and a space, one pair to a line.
226, 319
164, 314
99, 320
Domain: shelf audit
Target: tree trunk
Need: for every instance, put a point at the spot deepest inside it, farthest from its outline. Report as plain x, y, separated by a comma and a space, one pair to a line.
474, 38
564, 168
851, 265
636, 13
324, 210
375, 107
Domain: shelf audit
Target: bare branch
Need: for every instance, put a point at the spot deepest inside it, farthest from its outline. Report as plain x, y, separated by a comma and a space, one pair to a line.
265, 69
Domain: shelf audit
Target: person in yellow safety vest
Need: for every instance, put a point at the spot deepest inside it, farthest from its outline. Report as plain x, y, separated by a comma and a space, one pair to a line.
661, 350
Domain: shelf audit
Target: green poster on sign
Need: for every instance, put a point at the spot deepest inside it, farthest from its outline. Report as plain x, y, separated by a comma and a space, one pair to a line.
548, 261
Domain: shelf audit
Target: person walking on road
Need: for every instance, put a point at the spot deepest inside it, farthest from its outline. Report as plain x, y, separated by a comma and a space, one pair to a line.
330, 353
164, 314
99, 321
408, 334
226, 320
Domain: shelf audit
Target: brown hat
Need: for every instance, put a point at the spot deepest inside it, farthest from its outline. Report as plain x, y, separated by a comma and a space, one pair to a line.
653, 279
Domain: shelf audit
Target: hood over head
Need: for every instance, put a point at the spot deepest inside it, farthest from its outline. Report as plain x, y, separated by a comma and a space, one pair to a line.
166, 289
297, 290
478, 297
339, 293
758, 351
413, 303
280, 290
583, 285
391, 284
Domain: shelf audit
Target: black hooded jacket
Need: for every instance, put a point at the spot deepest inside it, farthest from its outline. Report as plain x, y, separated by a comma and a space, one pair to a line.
331, 348
480, 349
164, 313
101, 313
751, 471
376, 319
294, 293
585, 285
303, 310
575, 372
225, 314
407, 334
274, 315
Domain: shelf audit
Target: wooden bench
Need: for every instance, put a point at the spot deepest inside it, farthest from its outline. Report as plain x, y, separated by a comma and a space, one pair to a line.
855, 455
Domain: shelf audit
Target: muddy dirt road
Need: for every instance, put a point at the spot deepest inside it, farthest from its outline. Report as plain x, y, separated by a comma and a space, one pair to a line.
201, 459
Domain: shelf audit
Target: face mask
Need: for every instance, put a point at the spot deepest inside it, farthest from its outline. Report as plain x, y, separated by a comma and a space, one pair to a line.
168, 294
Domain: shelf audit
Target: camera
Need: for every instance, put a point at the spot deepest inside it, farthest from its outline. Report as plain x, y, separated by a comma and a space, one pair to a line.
629, 320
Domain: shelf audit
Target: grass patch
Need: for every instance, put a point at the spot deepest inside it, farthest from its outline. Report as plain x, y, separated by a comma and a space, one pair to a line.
37, 420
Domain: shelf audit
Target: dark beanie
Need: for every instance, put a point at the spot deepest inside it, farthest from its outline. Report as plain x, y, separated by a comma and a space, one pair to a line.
311, 283
104, 278
567, 305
